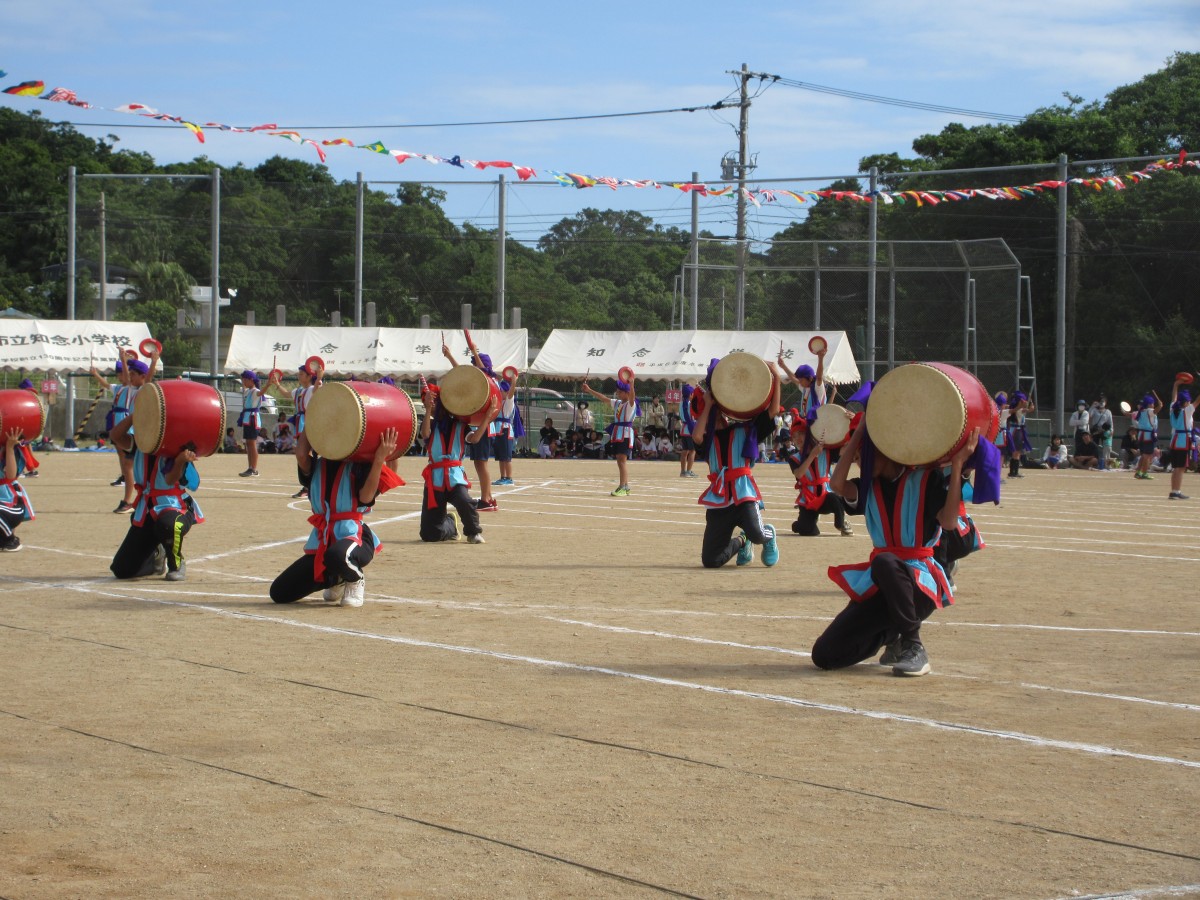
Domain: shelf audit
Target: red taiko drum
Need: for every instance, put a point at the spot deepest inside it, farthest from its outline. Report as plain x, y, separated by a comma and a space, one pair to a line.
21, 409
742, 385
467, 393
169, 414
832, 425
345, 419
924, 412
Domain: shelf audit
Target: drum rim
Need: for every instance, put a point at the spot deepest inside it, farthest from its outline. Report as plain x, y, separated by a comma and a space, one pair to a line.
161, 402
44, 416
362, 417
936, 367
412, 432
741, 413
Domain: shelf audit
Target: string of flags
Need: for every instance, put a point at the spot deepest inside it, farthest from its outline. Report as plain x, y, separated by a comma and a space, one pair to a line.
757, 196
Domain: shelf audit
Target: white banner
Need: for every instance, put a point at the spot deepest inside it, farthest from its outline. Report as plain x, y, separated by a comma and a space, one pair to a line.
66, 346
684, 355
369, 351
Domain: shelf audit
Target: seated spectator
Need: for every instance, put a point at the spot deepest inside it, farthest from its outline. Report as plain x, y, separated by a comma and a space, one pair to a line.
1087, 456
648, 448
285, 441
1056, 453
548, 439
593, 444
231, 444
665, 446
1129, 449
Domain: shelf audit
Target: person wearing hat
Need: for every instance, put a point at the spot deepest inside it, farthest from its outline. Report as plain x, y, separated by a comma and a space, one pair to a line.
132, 375
250, 420
687, 425
164, 513
1017, 435
480, 450
508, 427
301, 396
623, 438
810, 464
810, 382
446, 439
1146, 422
15, 507
1100, 423
1182, 422
732, 498
341, 544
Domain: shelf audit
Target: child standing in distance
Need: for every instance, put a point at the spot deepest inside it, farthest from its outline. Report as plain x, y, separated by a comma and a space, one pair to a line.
15, 507
1182, 416
250, 420
811, 384
732, 498
446, 439
301, 397
1146, 422
687, 424
1017, 435
906, 509
341, 544
164, 513
624, 406
508, 428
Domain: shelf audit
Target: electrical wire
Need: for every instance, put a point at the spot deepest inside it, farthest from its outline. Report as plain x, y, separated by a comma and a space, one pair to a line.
893, 101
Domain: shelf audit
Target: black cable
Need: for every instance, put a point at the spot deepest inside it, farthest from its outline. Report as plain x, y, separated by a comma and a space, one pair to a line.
892, 101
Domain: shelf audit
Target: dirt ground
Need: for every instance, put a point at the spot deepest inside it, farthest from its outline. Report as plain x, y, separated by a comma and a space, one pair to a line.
577, 709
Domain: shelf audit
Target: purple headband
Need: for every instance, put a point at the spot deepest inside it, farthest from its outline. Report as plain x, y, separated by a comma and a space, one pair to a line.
1147, 400
688, 390
504, 385
120, 366
26, 385
1001, 399
249, 376
806, 372
1183, 399
486, 362
1018, 396
623, 386
712, 364
388, 379
303, 369
136, 365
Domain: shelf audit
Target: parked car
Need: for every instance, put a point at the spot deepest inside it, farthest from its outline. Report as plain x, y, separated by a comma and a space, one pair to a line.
539, 404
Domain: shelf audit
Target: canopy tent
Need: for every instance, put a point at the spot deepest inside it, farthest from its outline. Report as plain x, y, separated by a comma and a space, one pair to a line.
369, 351
684, 355
66, 346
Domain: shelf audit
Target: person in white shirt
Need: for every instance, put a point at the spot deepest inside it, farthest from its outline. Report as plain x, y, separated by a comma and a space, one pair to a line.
1100, 423
1079, 421
1056, 453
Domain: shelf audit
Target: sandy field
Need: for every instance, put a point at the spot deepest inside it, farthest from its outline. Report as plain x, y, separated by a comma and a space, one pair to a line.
577, 709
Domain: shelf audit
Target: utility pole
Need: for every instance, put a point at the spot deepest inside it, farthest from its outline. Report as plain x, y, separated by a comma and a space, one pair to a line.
743, 127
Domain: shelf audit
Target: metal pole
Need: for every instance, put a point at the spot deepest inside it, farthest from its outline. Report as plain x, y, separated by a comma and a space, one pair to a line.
71, 183
872, 260
743, 126
215, 317
1060, 338
103, 264
501, 228
816, 287
358, 253
694, 255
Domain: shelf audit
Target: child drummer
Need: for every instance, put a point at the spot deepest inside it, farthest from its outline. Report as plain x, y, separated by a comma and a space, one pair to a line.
810, 464
480, 450
341, 545
732, 498
15, 507
811, 383
446, 483
164, 510
906, 509
624, 407
132, 375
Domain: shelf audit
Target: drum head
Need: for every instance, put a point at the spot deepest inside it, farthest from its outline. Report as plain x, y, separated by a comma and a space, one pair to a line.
465, 391
335, 421
742, 385
149, 417
1125, 407
916, 415
816, 344
832, 425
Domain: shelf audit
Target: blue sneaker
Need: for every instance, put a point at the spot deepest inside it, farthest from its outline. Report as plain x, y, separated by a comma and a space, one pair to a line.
770, 552
746, 554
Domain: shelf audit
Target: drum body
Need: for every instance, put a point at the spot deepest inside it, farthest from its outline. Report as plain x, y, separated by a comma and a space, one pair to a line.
742, 385
832, 425
24, 410
345, 419
467, 392
923, 412
169, 414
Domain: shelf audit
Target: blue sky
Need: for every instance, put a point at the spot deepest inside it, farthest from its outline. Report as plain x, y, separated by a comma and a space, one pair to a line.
306, 65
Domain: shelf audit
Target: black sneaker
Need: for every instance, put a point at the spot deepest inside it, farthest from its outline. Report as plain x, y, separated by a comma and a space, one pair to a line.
120, 481
12, 546
913, 660
891, 652
300, 494
124, 507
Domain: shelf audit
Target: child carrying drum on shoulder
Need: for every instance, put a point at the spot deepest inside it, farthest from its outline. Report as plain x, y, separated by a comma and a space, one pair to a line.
340, 545
446, 439
132, 374
732, 499
25, 449
15, 507
687, 425
811, 383
1182, 423
1016, 436
811, 465
1146, 422
906, 509
623, 438
164, 511
481, 449
250, 420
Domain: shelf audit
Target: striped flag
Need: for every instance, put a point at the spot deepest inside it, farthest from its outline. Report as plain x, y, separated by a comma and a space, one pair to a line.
63, 95
26, 89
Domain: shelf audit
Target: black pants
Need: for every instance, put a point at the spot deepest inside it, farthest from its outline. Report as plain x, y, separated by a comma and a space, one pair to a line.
897, 609
806, 522
954, 546
135, 556
344, 561
720, 545
8, 524
437, 526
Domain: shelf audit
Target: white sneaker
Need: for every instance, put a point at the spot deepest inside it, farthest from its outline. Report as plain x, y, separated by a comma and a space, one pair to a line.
476, 539
354, 593
334, 594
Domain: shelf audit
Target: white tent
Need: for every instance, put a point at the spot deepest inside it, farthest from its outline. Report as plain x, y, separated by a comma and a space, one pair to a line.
684, 355
369, 351
66, 346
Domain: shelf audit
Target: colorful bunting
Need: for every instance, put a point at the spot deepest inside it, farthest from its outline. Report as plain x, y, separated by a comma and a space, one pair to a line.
581, 181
